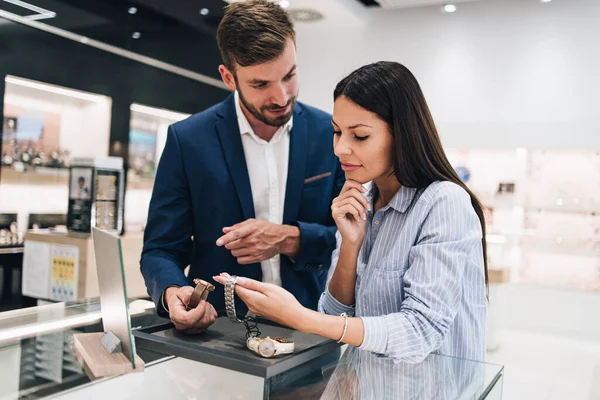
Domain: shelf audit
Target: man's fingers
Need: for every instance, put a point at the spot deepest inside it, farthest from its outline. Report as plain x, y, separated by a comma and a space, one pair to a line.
238, 225
195, 314
237, 244
234, 235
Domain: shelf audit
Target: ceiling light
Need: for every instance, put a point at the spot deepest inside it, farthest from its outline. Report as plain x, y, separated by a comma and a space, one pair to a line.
132, 10
136, 35
449, 8
42, 13
545, 1
158, 112
54, 89
204, 11
284, 3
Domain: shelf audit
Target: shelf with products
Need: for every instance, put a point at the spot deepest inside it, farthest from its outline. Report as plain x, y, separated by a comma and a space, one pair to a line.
542, 211
147, 137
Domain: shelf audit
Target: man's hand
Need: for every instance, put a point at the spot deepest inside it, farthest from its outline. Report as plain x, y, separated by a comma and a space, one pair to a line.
193, 321
256, 240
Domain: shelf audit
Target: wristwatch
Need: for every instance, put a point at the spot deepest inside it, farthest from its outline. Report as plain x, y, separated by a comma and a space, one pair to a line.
269, 347
230, 298
201, 292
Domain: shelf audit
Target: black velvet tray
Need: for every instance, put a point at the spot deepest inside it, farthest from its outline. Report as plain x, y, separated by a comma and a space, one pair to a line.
224, 345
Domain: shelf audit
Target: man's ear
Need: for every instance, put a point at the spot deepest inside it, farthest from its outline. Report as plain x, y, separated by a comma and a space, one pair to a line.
227, 77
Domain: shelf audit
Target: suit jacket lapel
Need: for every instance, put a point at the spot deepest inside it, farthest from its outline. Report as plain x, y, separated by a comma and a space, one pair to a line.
231, 143
296, 166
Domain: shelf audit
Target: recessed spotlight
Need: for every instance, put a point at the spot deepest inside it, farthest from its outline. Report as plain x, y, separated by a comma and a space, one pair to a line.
204, 11
449, 8
132, 10
136, 35
284, 3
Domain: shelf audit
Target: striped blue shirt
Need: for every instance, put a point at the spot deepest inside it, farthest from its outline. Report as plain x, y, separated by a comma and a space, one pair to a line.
420, 285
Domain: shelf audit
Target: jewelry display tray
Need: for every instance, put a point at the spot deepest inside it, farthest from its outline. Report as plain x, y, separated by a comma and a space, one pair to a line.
224, 345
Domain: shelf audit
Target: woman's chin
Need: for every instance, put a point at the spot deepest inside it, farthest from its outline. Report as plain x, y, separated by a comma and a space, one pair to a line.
360, 178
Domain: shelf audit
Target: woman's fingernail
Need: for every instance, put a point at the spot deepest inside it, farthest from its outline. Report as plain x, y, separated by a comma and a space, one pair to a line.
241, 281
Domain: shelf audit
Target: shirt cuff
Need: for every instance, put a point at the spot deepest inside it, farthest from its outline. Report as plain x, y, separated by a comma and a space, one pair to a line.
330, 305
376, 335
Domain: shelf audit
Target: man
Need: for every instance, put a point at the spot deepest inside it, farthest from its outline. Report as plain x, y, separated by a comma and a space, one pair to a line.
245, 186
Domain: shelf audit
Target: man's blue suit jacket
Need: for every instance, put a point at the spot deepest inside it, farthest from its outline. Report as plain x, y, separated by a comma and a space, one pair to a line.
202, 185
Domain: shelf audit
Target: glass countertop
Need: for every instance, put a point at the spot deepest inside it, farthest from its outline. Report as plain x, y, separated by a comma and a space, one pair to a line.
36, 360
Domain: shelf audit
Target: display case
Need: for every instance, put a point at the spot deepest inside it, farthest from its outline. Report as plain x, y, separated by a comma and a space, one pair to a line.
543, 212
44, 126
147, 137
36, 361
96, 187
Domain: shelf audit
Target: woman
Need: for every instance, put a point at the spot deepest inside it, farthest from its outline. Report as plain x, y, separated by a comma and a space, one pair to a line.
410, 267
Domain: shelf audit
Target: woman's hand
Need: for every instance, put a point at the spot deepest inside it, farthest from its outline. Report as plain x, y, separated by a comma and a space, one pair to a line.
269, 301
349, 211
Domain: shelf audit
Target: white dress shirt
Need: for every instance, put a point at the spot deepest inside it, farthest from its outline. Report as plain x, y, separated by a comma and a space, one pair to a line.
267, 164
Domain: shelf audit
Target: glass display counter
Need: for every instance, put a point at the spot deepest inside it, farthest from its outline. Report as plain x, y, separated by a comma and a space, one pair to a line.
36, 361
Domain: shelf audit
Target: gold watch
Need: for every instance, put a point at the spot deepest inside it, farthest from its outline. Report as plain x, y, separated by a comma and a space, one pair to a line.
270, 347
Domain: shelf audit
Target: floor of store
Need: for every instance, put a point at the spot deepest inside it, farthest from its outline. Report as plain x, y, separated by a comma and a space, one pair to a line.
544, 367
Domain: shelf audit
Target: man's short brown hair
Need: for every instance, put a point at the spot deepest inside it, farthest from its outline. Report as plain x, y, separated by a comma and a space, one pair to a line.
253, 32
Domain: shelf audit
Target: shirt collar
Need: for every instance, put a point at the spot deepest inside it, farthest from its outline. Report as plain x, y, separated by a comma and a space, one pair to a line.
400, 202
243, 123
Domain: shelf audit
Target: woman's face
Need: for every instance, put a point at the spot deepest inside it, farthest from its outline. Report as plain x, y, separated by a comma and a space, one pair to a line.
362, 141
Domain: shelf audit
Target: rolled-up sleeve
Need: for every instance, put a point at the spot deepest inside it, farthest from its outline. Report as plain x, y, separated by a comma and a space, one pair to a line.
433, 283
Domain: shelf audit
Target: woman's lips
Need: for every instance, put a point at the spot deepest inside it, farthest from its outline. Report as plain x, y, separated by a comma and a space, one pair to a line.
350, 167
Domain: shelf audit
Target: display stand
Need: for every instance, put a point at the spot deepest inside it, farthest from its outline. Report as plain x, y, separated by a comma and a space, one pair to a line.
98, 362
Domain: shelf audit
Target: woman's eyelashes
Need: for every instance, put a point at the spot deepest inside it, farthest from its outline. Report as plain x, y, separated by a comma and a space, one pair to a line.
357, 137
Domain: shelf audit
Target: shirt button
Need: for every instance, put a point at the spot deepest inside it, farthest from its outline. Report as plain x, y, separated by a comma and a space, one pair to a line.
376, 222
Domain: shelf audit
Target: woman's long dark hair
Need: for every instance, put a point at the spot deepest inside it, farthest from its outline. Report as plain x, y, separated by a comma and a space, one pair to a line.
391, 91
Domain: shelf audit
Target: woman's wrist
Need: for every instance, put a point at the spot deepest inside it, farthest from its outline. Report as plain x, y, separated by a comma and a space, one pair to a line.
350, 248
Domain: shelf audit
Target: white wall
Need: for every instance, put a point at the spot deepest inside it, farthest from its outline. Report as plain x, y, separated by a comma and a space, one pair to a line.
501, 73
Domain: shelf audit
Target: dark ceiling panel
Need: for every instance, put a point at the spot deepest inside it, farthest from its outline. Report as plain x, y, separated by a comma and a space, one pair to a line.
173, 31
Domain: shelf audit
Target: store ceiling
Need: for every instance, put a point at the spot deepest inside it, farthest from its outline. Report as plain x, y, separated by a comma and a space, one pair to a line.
182, 32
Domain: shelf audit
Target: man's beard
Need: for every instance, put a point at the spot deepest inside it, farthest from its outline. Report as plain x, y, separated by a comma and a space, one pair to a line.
277, 121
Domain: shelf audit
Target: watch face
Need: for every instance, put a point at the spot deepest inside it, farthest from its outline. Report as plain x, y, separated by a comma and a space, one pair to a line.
267, 348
